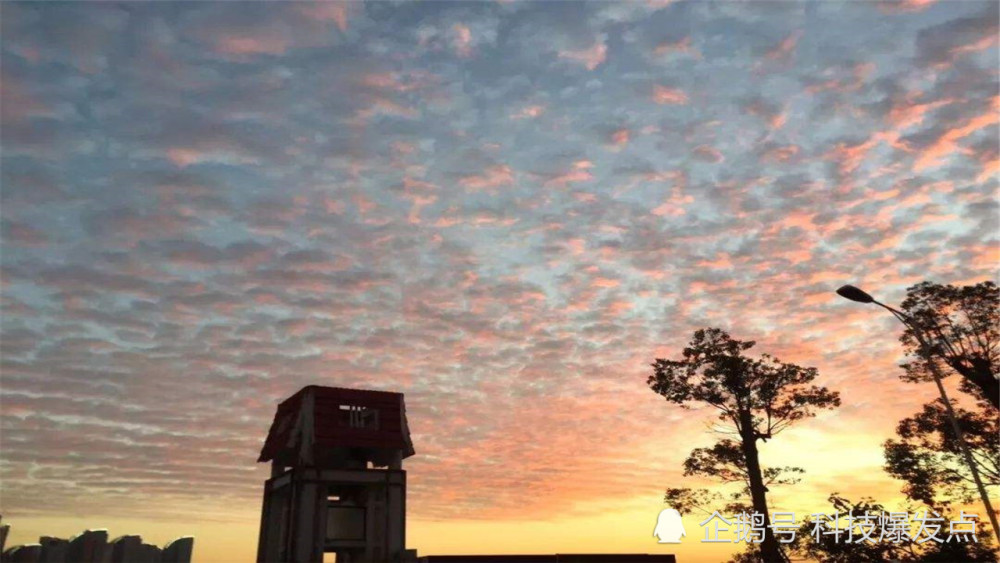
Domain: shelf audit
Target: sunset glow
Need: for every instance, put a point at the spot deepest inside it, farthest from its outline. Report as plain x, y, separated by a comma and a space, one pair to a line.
504, 210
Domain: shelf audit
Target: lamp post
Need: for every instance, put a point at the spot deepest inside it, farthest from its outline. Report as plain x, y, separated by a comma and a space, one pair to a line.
855, 294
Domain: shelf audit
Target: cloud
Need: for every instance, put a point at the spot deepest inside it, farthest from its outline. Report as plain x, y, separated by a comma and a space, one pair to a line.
942, 44
578, 172
786, 48
529, 112
947, 142
904, 6
590, 57
708, 154
493, 177
666, 95
338, 12
503, 210
21, 234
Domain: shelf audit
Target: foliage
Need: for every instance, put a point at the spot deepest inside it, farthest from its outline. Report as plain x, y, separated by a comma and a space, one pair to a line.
715, 371
928, 458
726, 462
757, 397
962, 325
825, 546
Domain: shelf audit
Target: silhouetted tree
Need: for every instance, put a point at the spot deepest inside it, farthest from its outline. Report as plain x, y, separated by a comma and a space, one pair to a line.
927, 456
759, 397
962, 324
830, 544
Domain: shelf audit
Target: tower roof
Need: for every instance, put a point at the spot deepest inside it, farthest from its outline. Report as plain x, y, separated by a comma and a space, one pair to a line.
318, 423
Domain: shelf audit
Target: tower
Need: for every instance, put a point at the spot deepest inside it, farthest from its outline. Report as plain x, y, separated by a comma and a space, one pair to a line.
337, 481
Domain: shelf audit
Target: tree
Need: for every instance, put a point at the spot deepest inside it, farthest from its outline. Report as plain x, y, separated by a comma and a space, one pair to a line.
726, 462
928, 458
825, 540
756, 397
828, 547
962, 325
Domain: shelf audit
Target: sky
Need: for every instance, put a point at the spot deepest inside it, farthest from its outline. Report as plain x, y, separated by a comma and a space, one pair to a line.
504, 210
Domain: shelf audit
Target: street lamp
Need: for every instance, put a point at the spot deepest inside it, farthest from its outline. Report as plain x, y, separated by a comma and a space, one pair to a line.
855, 294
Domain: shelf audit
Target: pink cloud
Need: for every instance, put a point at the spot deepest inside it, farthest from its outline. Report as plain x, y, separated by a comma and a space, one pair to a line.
669, 208
908, 113
576, 246
784, 49
385, 106
462, 40
267, 44
775, 117
528, 112
850, 157
419, 202
947, 143
795, 218
903, 6
682, 46
620, 137
784, 153
397, 82
491, 178
675, 202
184, 157
980, 45
708, 154
722, 262
327, 10
604, 282
858, 75
333, 206
580, 172
666, 95
364, 204
619, 307
591, 57
22, 234
990, 168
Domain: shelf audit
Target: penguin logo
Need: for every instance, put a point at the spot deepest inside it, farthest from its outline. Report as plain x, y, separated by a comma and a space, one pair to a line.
669, 528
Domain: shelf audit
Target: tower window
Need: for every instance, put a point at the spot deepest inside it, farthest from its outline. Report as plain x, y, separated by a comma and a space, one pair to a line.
360, 417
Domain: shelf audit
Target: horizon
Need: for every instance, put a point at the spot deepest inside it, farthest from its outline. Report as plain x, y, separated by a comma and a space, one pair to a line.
505, 211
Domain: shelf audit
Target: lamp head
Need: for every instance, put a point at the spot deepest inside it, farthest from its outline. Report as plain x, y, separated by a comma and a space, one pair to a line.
854, 294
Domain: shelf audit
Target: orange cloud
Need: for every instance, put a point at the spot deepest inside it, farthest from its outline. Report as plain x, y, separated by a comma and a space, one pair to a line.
723, 261
591, 57
620, 137
462, 40
708, 154
326, 10
902, 6
991, 168
948, 142
603, 282
665, 95
682, 46
253, 45
909, 114
579, 173
782, 154
784, 49
183, 156
491, 178
529, 111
